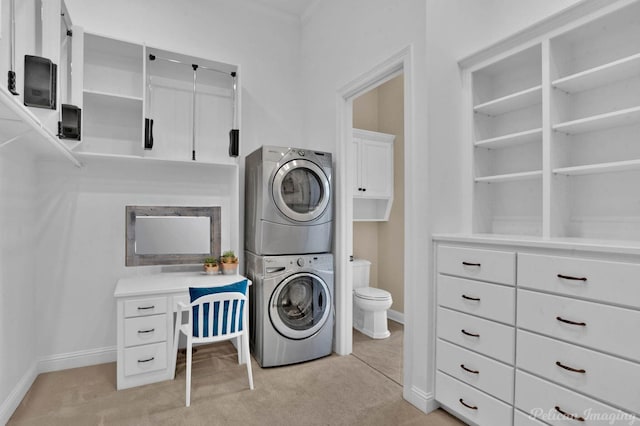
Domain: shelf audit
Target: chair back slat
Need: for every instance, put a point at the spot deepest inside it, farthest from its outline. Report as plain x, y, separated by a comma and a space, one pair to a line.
218, 315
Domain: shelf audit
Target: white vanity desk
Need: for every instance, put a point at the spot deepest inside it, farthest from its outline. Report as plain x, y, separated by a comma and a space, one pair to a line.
145, 306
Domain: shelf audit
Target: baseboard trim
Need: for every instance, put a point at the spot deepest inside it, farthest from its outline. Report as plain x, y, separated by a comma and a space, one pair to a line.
422, 400
395, 316
10, 404
77, 359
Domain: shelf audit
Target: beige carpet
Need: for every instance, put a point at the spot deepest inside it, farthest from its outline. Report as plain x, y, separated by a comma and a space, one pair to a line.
384, 355
336, 390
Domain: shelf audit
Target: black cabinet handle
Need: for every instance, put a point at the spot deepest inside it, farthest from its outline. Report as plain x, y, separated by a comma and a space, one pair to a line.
148, 133
141, 308
151, 330
475, 299
469, 370
469, 334
471, 264
147, 360
571, 416
569, 277
582, 324
574, 370
471, 407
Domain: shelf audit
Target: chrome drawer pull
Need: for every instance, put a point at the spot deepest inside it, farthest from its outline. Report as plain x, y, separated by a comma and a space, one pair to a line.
471, 407
469, 334
475, 299
140, 308
470, 264
147, 360
151, 330
469, 370
581, 324
575, 370
569, 277
571, 416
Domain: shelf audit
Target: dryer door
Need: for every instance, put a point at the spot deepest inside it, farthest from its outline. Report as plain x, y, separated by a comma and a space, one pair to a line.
300, 305
301, 190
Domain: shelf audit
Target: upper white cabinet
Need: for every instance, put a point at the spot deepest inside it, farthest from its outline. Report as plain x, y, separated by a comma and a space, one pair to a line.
373, 175
554, 125
151, 104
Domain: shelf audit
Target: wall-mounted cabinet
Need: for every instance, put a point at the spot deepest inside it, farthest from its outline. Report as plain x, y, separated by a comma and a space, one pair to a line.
373, 175
554, 127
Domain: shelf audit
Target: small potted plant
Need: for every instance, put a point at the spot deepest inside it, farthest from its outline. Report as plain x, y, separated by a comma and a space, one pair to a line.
229, 263
211, 266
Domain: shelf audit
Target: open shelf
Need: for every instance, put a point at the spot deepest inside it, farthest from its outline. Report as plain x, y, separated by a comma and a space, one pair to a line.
510, 177
514, 101
615, 166
115, 96
96, 156
601, 75
623, 117
511, 139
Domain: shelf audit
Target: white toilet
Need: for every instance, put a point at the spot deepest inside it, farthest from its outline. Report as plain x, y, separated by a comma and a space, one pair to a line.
369, 304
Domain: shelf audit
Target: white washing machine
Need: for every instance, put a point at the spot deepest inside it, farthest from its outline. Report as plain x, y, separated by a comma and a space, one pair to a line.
288, 201
291, 307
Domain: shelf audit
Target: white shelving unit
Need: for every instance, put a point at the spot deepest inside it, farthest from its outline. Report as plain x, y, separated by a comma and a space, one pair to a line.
554, 126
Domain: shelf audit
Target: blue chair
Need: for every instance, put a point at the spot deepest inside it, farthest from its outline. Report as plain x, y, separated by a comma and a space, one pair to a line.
215, 314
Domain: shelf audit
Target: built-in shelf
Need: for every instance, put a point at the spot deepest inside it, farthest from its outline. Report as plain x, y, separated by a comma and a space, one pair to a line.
600, 122
512, 102
509, 177
511, 139
19, 125
91, 156
616, 166
598, 76
114, 96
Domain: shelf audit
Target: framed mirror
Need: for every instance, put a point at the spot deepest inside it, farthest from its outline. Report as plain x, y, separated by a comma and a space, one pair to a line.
171, 235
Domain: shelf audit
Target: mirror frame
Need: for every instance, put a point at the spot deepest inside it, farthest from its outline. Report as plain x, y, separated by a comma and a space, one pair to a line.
134, 259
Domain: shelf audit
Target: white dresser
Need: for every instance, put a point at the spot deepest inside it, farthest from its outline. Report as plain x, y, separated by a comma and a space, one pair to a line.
533, 327
145, 319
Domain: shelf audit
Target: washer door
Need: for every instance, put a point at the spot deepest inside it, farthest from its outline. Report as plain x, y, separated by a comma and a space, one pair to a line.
301, 190
300, 305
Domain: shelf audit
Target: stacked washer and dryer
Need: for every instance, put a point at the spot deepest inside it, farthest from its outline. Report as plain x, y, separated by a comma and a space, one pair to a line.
288, 236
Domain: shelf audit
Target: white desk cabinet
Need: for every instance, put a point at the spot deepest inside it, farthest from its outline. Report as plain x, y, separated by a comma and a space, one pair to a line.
145, 321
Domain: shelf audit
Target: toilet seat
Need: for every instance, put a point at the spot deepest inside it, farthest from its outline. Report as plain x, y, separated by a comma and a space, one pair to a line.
372, 293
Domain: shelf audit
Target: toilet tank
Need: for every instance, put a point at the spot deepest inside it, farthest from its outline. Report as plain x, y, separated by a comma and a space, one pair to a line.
361, 268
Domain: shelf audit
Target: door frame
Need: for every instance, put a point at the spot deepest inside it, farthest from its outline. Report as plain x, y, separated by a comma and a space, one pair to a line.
399, 63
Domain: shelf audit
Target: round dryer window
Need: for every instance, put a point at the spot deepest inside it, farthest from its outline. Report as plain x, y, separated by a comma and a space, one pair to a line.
301, 190
300, 305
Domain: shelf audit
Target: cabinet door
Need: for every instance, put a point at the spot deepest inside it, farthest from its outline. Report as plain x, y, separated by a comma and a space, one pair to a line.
377, 169
356, 167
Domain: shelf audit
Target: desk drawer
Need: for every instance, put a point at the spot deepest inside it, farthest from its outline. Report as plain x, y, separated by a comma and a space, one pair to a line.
143, 330
614, 282
144, 359
490, 301
484, 336
471, 404
540, 398
146, 306
608, 328
485, 265
607, 378
491, 376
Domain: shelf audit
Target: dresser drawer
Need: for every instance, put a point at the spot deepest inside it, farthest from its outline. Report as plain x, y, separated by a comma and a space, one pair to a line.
607, 328
143, 330
607, 378
146, 306
144, 359
484, 336
554, 404
491, 376
614, 282
522, 419
486, 265
490, 301
471, 404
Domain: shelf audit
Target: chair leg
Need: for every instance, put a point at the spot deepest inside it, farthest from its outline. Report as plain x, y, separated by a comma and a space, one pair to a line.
240, 348
188, 392
247, 357
176, 339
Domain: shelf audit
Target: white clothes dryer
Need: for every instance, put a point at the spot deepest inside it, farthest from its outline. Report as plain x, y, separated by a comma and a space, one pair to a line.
291, 307
288, 201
